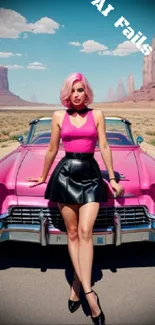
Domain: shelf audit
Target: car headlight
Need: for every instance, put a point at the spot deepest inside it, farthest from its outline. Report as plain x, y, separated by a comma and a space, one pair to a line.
4, 215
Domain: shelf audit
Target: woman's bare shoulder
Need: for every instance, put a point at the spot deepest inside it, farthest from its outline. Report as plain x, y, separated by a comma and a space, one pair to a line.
98, 113
59, 114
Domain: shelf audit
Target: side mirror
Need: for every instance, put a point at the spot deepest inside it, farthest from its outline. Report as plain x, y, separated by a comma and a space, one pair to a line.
139, 140
20, 139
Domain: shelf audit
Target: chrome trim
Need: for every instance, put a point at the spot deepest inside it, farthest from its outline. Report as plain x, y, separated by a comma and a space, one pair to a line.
43, 240
150, 216
126, 195
99, 239
130, 215
122, 176
45, 232
117, 229
5, 214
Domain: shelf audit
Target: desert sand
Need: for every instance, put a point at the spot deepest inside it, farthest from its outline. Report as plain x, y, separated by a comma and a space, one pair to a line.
15, 121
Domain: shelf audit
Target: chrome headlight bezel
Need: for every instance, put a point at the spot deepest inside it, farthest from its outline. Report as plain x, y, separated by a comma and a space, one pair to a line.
5, 214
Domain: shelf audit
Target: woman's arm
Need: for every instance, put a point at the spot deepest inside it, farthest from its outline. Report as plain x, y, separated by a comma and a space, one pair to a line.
106, 151
53, 145
103, 143
51, 151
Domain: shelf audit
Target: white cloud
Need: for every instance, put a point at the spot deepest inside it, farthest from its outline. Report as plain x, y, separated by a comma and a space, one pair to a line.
12, 24
92, 46
125, 48
14, 66
36, 63
8, 54
74, 43
36, 66
44, 26
105, 53
32, 66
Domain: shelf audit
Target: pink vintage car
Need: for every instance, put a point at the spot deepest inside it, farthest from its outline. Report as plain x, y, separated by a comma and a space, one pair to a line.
26, 216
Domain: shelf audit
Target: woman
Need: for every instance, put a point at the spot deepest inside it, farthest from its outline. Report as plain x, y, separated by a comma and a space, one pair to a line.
76, 183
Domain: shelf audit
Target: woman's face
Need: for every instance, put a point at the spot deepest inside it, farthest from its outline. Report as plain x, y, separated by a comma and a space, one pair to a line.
78, 94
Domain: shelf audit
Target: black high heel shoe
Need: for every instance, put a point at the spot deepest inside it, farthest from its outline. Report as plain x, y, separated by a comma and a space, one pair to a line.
73, 305
100, 319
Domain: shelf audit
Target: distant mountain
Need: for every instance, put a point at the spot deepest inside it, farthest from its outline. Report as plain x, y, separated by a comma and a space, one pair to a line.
121, 92
7, 98
34, 99
111, 95
130, 84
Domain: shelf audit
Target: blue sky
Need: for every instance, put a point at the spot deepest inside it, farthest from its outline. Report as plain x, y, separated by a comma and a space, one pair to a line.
38, 60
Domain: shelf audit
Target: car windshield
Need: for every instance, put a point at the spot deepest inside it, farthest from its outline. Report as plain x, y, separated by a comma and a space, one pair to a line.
118, 132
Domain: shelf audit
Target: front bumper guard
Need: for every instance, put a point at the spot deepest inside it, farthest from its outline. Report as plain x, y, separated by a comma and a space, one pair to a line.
116, 235
116, 230
43, 235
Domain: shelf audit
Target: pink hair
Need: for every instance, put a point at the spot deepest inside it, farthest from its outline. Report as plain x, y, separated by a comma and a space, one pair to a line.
66, 89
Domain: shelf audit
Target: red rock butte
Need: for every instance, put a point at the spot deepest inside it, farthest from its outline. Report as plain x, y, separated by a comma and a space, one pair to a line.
147, 90
120, 93
111, 97
7, 98
130, 85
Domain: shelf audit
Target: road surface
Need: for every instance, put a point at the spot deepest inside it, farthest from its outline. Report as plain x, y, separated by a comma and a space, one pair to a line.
34, 285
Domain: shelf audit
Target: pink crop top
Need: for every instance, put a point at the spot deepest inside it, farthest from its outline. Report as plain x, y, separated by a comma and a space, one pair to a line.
81, 139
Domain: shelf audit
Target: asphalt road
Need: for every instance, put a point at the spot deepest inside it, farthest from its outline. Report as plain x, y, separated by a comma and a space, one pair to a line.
34, 284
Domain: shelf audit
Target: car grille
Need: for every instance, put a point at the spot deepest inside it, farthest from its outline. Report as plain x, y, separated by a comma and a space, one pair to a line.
130, 216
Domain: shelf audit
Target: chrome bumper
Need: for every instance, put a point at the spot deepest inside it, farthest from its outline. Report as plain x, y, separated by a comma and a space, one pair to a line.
43, 236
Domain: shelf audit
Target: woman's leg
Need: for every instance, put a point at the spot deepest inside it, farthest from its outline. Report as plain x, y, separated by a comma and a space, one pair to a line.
87, 216
70, 214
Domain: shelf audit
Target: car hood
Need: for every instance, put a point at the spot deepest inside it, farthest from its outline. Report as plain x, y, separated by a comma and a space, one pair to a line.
124, 164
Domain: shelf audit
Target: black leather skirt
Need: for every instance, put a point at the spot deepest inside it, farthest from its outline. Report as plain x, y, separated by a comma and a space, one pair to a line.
77, 179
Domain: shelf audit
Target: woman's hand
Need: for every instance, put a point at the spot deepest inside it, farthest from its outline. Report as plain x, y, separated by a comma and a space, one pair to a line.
38, 180
117, 187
